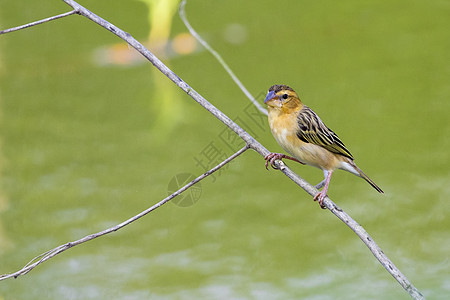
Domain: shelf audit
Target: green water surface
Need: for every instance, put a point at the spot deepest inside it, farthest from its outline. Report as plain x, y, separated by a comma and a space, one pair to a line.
86, 146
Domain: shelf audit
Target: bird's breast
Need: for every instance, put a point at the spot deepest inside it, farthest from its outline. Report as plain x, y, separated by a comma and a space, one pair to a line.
284, 128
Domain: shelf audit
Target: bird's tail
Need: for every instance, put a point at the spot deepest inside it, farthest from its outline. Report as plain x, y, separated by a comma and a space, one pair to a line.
370, 181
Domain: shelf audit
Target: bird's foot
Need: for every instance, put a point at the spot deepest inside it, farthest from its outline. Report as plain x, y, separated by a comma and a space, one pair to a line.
319, 197
272, 157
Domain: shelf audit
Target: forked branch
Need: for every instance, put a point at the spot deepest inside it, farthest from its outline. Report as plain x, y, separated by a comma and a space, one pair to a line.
55, 251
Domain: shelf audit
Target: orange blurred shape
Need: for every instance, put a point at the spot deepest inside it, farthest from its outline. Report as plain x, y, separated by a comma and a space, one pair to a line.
120, 54
184, 43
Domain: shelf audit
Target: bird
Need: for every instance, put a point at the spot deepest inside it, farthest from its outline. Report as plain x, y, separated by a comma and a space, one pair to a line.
301, 133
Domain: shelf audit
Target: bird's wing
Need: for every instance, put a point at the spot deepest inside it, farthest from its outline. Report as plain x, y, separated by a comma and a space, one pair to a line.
313, 130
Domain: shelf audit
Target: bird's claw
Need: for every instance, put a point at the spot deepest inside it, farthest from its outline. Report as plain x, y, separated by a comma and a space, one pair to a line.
271, 158
319, 197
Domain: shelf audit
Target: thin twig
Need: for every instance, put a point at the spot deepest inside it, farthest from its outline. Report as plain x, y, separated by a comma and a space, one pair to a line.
38, 22
219, 58
55, 251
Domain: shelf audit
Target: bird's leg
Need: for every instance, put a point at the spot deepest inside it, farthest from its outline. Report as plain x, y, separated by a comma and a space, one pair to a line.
272, 157
322, 194
320, 184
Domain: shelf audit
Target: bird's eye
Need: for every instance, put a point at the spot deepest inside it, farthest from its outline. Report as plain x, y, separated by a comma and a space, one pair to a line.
285, 96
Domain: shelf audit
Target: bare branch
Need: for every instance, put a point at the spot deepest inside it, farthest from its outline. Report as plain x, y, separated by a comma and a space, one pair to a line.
38, 22
248, 139
219, 58
362, 234
55, 251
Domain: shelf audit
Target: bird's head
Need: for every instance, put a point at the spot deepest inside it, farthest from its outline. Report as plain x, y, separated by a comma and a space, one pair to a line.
282, 97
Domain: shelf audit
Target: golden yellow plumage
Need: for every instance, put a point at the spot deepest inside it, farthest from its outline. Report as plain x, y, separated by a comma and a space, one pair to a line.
301, 132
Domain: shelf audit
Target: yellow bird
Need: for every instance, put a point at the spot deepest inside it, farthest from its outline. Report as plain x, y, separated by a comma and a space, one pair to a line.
301, 132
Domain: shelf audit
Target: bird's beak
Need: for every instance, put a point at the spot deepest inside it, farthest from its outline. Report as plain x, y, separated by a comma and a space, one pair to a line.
270, 96
272, 100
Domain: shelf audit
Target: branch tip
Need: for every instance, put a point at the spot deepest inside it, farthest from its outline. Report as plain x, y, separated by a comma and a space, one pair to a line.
28, 25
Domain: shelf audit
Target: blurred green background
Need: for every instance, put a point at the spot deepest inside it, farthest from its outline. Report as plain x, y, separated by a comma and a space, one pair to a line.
90, 136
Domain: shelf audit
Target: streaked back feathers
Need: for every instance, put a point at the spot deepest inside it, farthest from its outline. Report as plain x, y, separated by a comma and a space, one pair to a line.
313, 130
